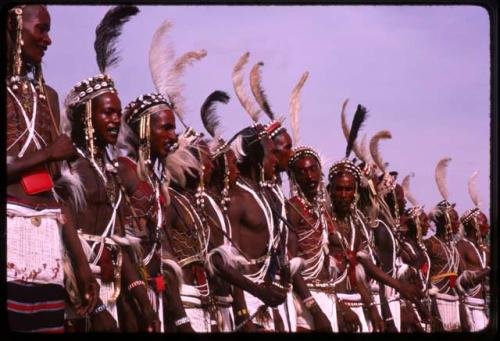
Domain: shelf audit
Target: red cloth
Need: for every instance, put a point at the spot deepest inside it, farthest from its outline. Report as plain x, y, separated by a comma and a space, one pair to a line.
106, 264
159, 284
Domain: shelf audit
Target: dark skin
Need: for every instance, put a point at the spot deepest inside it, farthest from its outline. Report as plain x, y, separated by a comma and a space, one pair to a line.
307, 172
342, 190
283, 150
106, 109
35, 32
469, 259
250, 230
162, 137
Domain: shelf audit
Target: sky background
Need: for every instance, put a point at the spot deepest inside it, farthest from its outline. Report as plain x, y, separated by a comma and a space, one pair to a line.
422, 72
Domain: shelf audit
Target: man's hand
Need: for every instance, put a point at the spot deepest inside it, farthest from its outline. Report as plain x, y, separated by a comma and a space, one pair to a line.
411, 292
61, 149
89, 292
321, 322
271, 295
350, 321
377, 322
104, 322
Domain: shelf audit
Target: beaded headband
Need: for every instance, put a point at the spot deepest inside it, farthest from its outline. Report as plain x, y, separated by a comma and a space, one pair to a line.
302, 151
143, 104
469, 215
90, 88
345, 165
414, 211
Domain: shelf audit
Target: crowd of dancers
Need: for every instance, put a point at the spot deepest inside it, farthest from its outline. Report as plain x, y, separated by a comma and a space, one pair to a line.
130, 220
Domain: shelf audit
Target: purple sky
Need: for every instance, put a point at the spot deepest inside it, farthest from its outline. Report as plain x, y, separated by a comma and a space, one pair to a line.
422, 72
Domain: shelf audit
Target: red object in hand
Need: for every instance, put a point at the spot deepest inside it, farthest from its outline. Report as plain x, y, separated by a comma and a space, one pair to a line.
159, 284
453, 280
37, 180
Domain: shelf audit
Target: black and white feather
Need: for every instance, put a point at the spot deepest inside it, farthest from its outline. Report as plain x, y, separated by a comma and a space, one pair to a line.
107, 33
209, 117
357, 123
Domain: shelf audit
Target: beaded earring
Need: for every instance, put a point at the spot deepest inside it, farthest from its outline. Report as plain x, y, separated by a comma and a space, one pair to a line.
225, 190
17, 57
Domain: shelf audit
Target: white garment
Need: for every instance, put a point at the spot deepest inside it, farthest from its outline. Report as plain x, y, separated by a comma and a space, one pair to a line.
476, 313
449, 311
225, 312
354, 302
198, 316
34, 245
326, 302
253, 303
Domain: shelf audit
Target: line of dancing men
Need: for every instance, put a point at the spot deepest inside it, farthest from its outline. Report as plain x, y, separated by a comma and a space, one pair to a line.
117, 222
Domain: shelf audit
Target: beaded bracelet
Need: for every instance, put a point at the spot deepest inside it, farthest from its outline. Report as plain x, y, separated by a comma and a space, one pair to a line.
135, 284
181, 321
99, 309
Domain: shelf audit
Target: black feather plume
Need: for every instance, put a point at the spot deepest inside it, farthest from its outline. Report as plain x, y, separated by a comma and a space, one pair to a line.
107, 33
209, 117
357, 122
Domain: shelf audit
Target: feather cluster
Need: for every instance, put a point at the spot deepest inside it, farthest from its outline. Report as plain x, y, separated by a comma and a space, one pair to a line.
442, 185
167, 72
471, 184
406, 188
210, 119
357, 122
295, 107
374, 150
258, 90
237, 79
107, 33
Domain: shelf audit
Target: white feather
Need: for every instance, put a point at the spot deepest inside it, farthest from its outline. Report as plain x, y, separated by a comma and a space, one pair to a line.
172, 264
71, 182
374, 148
295, 107
182, 161
440, 174
237, 79
406, 188
161, 55
473, 189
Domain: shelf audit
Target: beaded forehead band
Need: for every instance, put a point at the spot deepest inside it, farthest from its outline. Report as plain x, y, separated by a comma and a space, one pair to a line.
300, 152
345, 166
146, 104
415, 211
274, 128
90, 88
469, 215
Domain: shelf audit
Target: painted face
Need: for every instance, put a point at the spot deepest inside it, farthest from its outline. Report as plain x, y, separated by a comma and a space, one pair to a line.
282, 150
455, 222
106, 117
163, 135
342, 191
208, 166
35, 33
482, 222
307, 172
269, 162
234, 172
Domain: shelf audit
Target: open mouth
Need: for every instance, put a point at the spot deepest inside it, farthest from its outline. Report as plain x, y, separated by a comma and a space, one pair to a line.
113, 131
